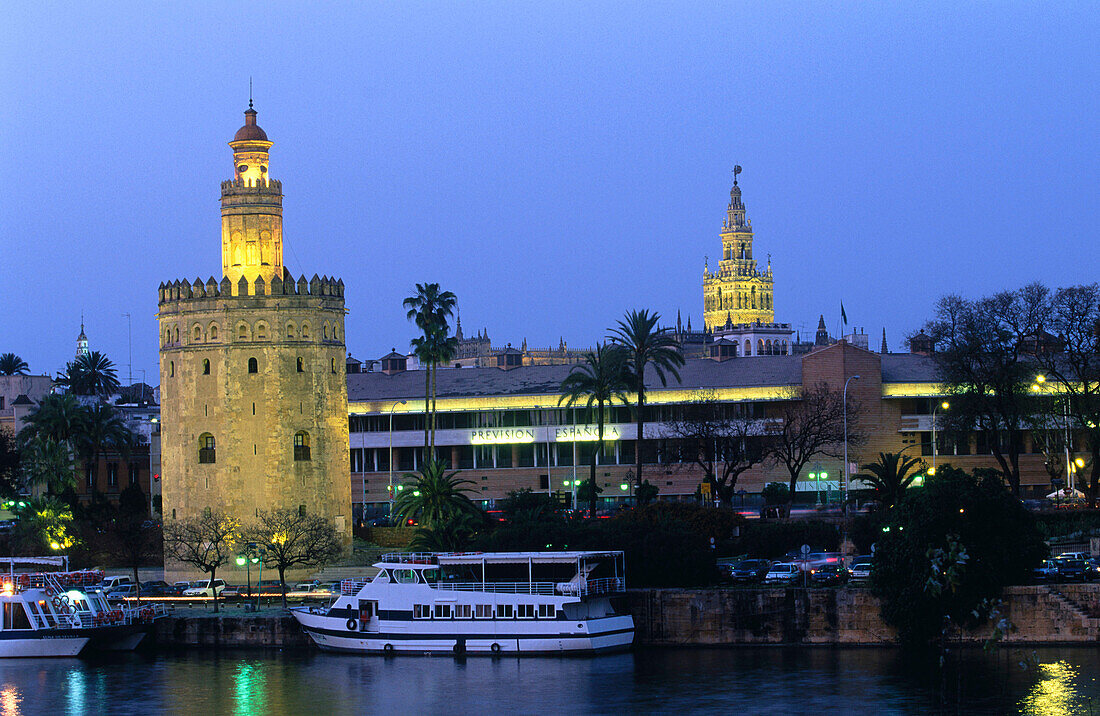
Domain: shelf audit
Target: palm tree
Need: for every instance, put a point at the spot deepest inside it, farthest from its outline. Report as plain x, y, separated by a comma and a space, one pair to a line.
435, 497
90, 374
49, 463
429, 309
11, 364
450, 536
890, 476
58, 416
431, 349
599, 381
646, 344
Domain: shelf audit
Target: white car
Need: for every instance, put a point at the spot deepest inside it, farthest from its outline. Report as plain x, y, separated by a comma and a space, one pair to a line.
860, 572
201, 588
783, 573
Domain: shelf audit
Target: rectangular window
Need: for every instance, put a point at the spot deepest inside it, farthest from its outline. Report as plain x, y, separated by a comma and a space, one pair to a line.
112, 474
505, 611
565, 454
526, 611
544, 482
89, 477
504, 456
135, 473
465, 457
547, 611
526, 454
463, 611
483, 611
422, 611
442, 611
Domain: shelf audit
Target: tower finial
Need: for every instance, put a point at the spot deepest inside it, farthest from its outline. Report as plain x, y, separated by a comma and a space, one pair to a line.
736, 171
250, 96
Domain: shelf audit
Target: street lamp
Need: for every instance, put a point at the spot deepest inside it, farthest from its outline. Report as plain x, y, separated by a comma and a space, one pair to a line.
846, 469
389, 464
945, 405
1035, 388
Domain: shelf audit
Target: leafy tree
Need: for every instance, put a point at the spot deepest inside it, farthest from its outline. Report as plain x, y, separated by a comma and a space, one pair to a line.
949, 549
645, 344
599, 381
133, 502
811, 423
44, 525
1073, 315
451, 535
11, 472
293, 539
645, 493
776, 493
720, 440
206, 543
589, 492
435, 496
11, 364
429, 309
525, 506
890, 476
982, 358
90, 374
102, 430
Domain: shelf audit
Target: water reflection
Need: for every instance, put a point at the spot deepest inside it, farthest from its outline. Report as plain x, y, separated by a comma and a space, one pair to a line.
1054, 694
9, 701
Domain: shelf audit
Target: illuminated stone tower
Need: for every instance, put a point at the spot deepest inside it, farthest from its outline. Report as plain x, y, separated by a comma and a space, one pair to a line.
737, 292
253, 394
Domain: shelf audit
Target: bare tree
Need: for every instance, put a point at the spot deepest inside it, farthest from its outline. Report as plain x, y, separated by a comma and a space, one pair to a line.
810, 422
719, 438
205, 542
133, 541
293, 539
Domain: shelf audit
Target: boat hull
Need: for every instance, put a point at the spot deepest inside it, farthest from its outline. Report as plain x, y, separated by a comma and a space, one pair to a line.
43, 645
479, 638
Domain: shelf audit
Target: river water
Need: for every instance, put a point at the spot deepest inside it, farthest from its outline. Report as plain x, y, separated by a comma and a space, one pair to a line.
754, 680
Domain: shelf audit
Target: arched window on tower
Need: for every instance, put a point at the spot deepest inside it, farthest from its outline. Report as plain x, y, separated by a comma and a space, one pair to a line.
748, 347
253, 365
301, 368
242, 332
261, 332
206, 366
301, 445
207, 454
305, 331
290, 331
213, 331
333, 365
177, 334
198, 334
324, 331
759, 346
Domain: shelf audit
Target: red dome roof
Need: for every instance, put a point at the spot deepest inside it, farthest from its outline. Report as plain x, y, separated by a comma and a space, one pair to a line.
250, 130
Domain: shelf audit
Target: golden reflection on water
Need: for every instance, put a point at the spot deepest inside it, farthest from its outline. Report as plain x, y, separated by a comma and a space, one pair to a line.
9, 701
1053, 694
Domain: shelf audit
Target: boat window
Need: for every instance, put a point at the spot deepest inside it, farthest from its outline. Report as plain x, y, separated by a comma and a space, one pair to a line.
422, 611
483, 611
463, 611
442, 611
382, 576
404, 576
504, 611
15, 617
547, 611
526, 611
431, 576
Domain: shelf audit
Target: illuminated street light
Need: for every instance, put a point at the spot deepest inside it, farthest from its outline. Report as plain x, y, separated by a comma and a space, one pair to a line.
945, 405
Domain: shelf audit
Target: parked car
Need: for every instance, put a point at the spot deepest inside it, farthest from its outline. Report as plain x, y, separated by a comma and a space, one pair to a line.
306, 586
783, 573
1074, 555
202, 588
861, 571
1092, 568
157, 588
178, 588
115, 580
1046, 572
1071, 570
829, 575
122, 591
748, 571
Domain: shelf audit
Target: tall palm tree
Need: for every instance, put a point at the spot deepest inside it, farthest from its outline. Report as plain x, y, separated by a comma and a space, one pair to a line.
429, 309
599, 381
11, 364
890, 476
645, 345
59, 417
90, 374
435, 497
48, 463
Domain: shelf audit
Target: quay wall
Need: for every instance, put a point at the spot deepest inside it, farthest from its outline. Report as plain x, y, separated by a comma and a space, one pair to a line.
1042, 614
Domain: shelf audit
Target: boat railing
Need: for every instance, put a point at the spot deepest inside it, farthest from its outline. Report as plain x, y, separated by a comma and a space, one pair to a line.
410, 558
351, 587
546, 588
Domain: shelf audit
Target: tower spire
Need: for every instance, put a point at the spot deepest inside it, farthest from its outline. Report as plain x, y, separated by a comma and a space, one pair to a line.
250, 94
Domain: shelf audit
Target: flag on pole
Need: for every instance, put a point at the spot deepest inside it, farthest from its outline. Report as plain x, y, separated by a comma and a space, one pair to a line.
843, 315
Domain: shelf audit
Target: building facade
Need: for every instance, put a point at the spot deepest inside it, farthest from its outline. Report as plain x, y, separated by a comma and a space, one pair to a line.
737, 292
252, 368
505, 430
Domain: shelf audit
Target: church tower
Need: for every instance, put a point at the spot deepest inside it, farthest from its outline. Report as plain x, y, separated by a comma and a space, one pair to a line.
254, 409
82, 341
737, 292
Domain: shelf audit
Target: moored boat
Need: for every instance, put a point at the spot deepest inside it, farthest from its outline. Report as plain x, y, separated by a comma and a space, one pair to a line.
479, 603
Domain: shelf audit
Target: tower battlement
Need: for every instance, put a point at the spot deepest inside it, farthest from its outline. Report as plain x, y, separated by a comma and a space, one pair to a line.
252, 186
197, 290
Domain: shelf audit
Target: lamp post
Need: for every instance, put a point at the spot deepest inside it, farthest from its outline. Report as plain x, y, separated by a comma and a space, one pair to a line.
1070, 473
846, 476
389, 464
945, 405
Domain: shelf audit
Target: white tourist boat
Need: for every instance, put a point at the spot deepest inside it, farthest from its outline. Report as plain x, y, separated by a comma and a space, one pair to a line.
478, 603
53, 614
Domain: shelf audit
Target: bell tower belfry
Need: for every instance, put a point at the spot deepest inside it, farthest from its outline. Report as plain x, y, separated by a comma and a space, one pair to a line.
738, 292
252, 209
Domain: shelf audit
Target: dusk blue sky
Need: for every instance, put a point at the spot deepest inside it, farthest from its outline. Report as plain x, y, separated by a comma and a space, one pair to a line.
553, 164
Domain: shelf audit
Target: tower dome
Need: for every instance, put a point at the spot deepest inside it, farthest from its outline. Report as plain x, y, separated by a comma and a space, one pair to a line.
250, 131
